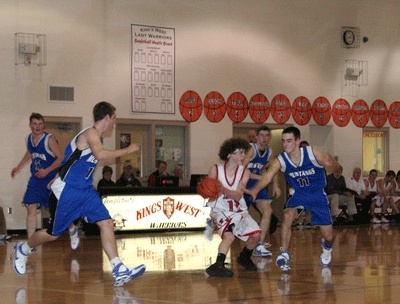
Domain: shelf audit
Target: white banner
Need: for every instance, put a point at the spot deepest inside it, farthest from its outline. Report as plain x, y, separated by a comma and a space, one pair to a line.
153, 69
157, 211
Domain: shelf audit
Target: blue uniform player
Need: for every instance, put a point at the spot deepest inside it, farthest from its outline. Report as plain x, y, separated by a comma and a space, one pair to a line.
45, 155
74, 196
256, 161
304, 169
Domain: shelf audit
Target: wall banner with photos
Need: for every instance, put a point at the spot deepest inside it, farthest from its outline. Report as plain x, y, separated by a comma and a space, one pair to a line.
153, 69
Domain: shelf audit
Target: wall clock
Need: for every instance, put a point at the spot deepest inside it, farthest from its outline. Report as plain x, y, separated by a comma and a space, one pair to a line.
350, 37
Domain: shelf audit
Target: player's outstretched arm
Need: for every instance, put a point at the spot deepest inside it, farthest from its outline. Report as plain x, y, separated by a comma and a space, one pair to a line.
92, 139
326, 160
266, 178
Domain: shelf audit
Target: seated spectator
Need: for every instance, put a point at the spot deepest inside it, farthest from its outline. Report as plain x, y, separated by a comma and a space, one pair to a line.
178, 171
385, 186
360, 193
394, 199
339, 195
127, 178
106, 181
161, 170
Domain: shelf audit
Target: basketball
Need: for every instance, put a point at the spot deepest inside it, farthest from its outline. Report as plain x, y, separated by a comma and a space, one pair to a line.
321, 110
301, 110
259, 108
341, 112
394, 114
280, 108
360, 113
237, 107
209, 188
214, 106
190, 106
378, 113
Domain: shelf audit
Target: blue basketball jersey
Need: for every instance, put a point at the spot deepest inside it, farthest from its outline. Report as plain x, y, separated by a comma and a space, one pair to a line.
308, 177
41, 155
78, 166
308, 180
259, 159
257, 162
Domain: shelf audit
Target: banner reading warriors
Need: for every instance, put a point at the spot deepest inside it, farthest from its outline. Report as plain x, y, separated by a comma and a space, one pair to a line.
153, 69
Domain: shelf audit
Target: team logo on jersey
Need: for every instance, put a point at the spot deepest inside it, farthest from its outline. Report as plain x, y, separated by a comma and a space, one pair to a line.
168, 207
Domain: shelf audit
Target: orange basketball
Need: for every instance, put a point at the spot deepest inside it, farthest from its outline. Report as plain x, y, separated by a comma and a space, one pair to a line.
214, 106
259, 108
360, 113
341, 112
280, 108
237, 107
209, 188
321, 110
394, 114
190, 106
378, 113
301, 110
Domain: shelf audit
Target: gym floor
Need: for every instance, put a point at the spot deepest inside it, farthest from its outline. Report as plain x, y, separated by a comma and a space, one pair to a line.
364, 269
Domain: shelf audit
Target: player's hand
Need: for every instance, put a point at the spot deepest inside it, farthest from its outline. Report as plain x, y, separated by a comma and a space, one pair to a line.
132, 148
13, 172
251, 192
276, 192
41, 173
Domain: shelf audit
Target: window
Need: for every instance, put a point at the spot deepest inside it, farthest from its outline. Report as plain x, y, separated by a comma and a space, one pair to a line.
168, 141
375, 150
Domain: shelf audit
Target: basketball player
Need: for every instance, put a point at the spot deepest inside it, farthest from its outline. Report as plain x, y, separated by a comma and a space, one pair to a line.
229, 211
45, 155
256, 160
73, 195
304, 169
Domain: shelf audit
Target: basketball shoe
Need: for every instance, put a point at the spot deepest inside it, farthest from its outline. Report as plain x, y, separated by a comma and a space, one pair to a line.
219, 270
209, 230
326, 254
126, 274
74, 236
283, 260
261, 250
20, 259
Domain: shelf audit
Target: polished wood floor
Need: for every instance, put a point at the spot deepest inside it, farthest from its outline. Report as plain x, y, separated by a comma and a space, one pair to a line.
365, 269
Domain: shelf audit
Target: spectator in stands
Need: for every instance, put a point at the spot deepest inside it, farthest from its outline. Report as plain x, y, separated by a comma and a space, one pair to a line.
371, 188
360, 193
106, 181
385, 186
252, 136
178, 171
394, 200
339, 195
161, 170
127, 178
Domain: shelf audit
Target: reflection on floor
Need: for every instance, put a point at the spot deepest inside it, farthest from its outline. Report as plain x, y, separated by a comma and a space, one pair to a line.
364, 269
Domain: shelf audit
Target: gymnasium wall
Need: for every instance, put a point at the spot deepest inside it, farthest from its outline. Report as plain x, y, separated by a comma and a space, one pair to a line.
272, 47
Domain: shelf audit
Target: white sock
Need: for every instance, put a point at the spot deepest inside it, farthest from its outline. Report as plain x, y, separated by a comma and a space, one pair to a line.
115, 261
25, 248
71, 232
